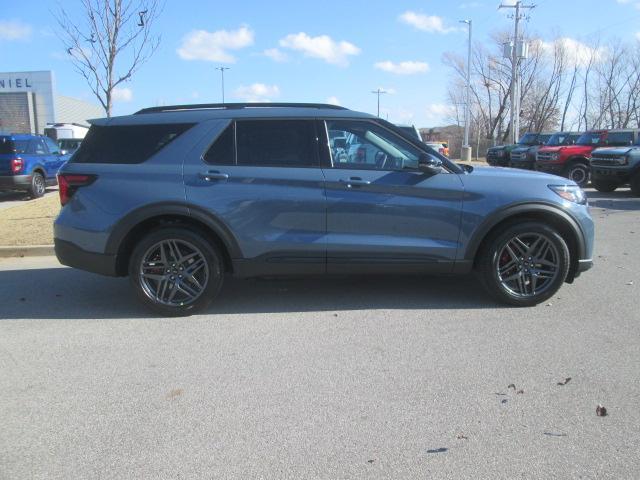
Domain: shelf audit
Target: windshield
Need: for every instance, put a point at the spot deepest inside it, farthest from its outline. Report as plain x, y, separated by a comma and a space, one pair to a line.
561, 139
589, 138
528, 139
8, 145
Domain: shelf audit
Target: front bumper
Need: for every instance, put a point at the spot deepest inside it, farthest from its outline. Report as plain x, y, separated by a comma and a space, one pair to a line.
73, 256
555, 168
615, 175
15, 182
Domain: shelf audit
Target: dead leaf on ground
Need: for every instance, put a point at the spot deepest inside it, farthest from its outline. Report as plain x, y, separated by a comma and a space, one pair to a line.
511, 385
565, 381
176, 392
601, 411
519, 392
462, 436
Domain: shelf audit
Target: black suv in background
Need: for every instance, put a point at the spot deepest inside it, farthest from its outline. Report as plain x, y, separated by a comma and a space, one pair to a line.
500, 156
614, 167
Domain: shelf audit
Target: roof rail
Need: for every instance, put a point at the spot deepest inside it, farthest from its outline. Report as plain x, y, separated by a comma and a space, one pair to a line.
205, 106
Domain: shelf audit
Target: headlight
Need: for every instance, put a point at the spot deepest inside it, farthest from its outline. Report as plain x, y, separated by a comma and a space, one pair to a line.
572, 193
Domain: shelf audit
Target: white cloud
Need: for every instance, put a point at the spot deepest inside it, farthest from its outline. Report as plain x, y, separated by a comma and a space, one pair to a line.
213, 46
122, 94
578, 53
403, 68
439, 112
397, 115
258, 92
322, 46
427, 23
14, 30
276, 55
390, 91
466, 5
638, 36
333, 100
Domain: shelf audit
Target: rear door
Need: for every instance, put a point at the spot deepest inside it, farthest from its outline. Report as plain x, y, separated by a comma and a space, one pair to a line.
383, 213
55, 159
262, 180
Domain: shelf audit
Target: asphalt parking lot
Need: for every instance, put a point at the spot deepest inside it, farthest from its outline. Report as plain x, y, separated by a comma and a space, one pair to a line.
336, 378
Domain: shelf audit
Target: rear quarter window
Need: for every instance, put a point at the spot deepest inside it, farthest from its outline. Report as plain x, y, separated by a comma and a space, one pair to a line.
127, 144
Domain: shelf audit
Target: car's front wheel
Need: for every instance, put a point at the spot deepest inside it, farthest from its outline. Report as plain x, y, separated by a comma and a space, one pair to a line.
604, 186
525, 264
579, 173
176, 271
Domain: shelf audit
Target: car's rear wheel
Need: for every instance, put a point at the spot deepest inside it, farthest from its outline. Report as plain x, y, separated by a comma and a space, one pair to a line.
579, 173
604, 186
38, 185
176, 271
525, 264
635, 184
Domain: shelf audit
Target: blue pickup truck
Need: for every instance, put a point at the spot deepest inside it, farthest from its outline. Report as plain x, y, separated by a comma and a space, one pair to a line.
29, 163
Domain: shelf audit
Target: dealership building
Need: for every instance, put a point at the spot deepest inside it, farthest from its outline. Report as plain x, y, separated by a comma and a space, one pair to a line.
28, 101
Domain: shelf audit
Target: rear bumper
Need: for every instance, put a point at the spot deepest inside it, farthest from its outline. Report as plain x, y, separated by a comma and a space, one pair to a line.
15, 182
73, 256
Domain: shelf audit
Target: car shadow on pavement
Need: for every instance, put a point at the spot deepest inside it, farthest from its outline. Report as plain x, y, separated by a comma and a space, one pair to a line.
64, 293
621, 199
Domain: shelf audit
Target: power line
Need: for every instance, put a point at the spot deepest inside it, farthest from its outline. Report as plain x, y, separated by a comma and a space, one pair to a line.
379, 92
222, 69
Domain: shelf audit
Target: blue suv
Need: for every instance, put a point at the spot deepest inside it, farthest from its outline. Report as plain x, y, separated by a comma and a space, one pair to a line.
29, 163
177, 197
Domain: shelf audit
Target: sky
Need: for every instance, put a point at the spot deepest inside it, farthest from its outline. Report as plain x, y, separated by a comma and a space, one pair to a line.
302, 51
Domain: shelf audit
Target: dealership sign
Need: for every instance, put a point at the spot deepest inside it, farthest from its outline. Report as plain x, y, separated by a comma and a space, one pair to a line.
15, 82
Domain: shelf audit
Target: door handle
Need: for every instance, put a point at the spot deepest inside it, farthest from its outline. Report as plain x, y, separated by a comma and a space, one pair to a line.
355, 182
213, 175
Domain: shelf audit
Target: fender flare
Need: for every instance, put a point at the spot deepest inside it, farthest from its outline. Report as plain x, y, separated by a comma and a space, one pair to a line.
134, 218
510, 211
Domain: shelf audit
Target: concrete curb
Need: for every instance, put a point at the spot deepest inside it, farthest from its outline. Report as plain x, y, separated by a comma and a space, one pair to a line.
26, 251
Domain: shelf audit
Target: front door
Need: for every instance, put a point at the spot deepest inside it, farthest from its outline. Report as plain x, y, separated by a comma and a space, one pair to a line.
263, 180
383, 213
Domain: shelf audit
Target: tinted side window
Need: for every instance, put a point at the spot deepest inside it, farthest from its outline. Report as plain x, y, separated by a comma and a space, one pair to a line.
620, 138
126, 143
276, 143
222, 151
37, 147
53, 147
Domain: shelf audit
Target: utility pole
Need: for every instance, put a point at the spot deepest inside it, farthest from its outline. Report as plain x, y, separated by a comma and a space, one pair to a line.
379, 92
222, 69
515, 70
466, 148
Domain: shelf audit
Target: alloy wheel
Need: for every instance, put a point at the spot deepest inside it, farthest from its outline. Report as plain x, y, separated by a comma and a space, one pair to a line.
528, 264
173, 272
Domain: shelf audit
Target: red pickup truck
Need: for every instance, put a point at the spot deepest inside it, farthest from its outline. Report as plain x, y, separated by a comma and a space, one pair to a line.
572, 161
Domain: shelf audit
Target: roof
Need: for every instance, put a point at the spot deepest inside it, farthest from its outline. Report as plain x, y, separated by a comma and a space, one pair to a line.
203, 112
20, 136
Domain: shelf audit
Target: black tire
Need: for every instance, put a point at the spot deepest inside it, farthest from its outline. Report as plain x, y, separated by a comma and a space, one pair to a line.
578, 172
493, 252
38, 185
604, 186
207, 279
635, 184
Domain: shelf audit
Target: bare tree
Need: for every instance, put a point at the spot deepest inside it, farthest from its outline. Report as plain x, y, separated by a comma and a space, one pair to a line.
109, 42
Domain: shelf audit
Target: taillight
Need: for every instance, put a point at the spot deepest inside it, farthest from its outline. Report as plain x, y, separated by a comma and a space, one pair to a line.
17, 164
68, 183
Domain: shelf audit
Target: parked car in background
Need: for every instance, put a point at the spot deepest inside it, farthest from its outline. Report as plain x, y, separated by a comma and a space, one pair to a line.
29, 163
438, 147
58, 131
500, 155
614, 167
572, 161
177, 197
523, 156
69, 145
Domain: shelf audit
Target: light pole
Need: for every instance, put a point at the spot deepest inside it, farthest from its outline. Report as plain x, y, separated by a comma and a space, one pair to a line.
466, 148
222, 69
379, 92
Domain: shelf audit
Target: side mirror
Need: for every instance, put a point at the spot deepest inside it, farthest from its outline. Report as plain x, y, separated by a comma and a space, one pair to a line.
429, 164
